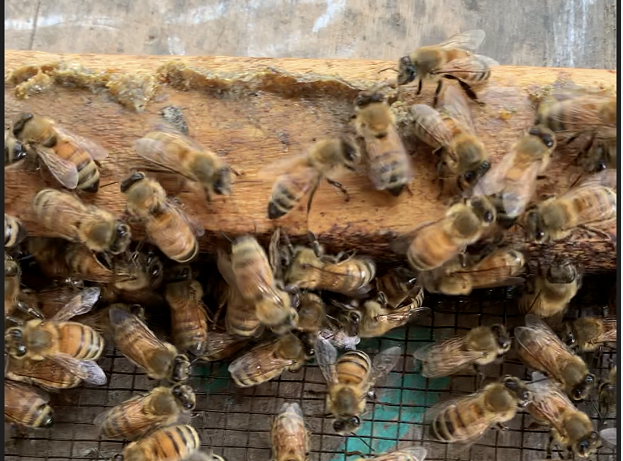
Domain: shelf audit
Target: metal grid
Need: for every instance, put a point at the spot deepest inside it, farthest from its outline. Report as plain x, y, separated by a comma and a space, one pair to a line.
236, 422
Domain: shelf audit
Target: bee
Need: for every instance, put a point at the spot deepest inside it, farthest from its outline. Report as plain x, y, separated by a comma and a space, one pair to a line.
172, 443
71, 345
451, 131
300, 176
69, 157
492, 268
349, 379
166, 225
433, 244
389, 164
14, 150
312, 316
587, 205
27, 406
586, 334
66, 216
268, 360
610, 435
189, 319
400, 286
466, 419
480, 346
45, 373
290, 439
511, 182
540, 348
312, 269
571, 428
452, 59
142, 414
14, 232
608, 393
176, 153
222, 346
161, 360
249, 271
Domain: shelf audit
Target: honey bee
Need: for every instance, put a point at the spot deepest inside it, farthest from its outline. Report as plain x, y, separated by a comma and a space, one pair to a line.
403, 454
142, 414
173, 443
433, 244
499, 267
176, 153
290, 439
43, 373
312, 269
480, 346
587, 205
14, 150
452, 59
222, 346
69, 157
189, 319
608, 393
466, 419
66, 216
586, 334
268, 360
161, 360
571, 428
71, 345
27, 406
300, 176
388, 162
349, 379
166, 225
249, 271
14, 232
540, 348
452, 131
312, 316
400, 286
511, 182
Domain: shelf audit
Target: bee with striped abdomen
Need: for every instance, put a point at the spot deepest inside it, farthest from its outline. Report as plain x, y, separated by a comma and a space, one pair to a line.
26, 405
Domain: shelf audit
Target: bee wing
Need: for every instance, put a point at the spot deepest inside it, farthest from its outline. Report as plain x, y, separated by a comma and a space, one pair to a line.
578, 116
63, 170
88, 371
383, 363
155, 151
96, 151
430, 126
80, 304
474, 64
192, 222
26, 390
274, 255
445, 358
469, 40
283, 165
140, 421
419, 453
610, 435
456, 107
547, 396
606, 178
326, 355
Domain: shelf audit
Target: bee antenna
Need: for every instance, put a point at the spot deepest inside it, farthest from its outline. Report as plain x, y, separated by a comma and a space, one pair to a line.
109, 184
388, 68
229, 239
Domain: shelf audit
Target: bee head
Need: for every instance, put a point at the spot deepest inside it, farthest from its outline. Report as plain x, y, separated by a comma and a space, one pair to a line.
561, 271
535, 231
567, 336
14, 150
517, 387
131, 180
366, 98
48, 419
348, 425
117, 457
185, 396
14, 342
580, 391
588, 445
20, 123
350, 153
406, 70
180, 368
121, 239
11, 268
544, 134
222, 181
503, 339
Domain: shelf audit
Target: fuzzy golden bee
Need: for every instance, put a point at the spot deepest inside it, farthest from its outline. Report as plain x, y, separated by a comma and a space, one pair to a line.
466, 419
290, 438
26, 405
179, 154
65, 215
14, 232
511, 182
433, 244
300, 176
166, 224
69, 157
451, 132
268, 360
161, 360
540, 348
547, 295
389, 165
586, 334
452, 59
480, 346
349, 379
570, 427
173, 443
498, 267
142, 414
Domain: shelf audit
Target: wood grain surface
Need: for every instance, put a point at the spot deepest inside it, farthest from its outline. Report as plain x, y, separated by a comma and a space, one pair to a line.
251, 126
579, 33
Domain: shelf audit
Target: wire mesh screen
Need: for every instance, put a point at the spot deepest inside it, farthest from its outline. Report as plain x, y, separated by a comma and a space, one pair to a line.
236, 422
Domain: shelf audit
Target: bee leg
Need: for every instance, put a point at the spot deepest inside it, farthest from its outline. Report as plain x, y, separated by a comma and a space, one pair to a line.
550, 443
31, 311
419, 87
339, 186
14, 320
467, 89
502, 427
479, 376
437, 92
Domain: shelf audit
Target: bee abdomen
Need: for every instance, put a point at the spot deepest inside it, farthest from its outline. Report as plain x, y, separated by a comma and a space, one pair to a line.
284, 197
81, 341
456, 422
173, 443
241, 322
88, 175
353, 367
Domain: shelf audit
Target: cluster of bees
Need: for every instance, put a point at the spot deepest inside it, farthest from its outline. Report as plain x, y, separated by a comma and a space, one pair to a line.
275, 309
